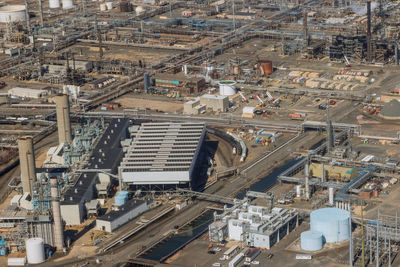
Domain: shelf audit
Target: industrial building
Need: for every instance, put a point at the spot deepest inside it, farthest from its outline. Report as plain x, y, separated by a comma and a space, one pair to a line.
116, 218
104, 158
162, 153
255, 226
185, 85
216, 103
26, 92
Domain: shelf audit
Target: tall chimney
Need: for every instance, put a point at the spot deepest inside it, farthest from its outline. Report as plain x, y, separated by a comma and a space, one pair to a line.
57, 227
305, 30
63, 123
27, 163
28, 21
369, 52
307, 174
41, 12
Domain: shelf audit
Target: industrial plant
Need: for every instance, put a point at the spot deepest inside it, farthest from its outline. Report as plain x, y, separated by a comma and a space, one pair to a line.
199, 133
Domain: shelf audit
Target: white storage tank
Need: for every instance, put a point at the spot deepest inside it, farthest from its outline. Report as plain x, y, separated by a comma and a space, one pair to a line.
35, 250
109, 5
227, 87
67, 4
12, 13
311, 241
333, 223
54, 4
139, 10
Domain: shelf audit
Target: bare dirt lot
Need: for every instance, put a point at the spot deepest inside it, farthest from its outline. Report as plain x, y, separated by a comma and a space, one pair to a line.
164, 106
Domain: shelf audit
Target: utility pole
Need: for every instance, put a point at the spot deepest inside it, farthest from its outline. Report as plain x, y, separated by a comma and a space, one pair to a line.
362, 238
351, 240
377, 242
233, 16
100, 41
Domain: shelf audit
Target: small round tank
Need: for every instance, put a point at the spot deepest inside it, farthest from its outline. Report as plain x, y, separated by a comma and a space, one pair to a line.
311, 241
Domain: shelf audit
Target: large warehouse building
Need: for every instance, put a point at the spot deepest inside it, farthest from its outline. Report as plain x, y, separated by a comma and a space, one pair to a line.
162, 153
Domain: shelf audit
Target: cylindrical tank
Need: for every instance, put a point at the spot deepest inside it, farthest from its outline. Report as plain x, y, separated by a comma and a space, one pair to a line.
109, 5
63, 122
311, 241
125, 6
139, 10
35, 250
264, 67
27, 163
54, 4
331, 191
333, 223
12, 13
103, 7
298, 190
227, 87
67, 4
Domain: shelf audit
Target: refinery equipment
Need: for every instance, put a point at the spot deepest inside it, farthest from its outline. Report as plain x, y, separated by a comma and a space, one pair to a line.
27, 163
256, 226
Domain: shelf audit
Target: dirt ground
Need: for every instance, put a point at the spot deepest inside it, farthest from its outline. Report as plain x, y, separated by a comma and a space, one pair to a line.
132, 102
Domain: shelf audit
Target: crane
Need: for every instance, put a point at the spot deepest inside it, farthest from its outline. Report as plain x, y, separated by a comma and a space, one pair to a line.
276, 102
244, 99
347, 61
270, 98
262, 104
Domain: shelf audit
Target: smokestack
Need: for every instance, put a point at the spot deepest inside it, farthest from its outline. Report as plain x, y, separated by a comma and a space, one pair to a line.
27, 163
329, 130
58, 226
369, 52
307, 183
305, 30
41, 12
63, 123
28, 21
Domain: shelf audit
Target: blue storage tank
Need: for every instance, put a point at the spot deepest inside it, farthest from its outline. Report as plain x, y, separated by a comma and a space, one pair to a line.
121, 198
311, 241
333, 223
